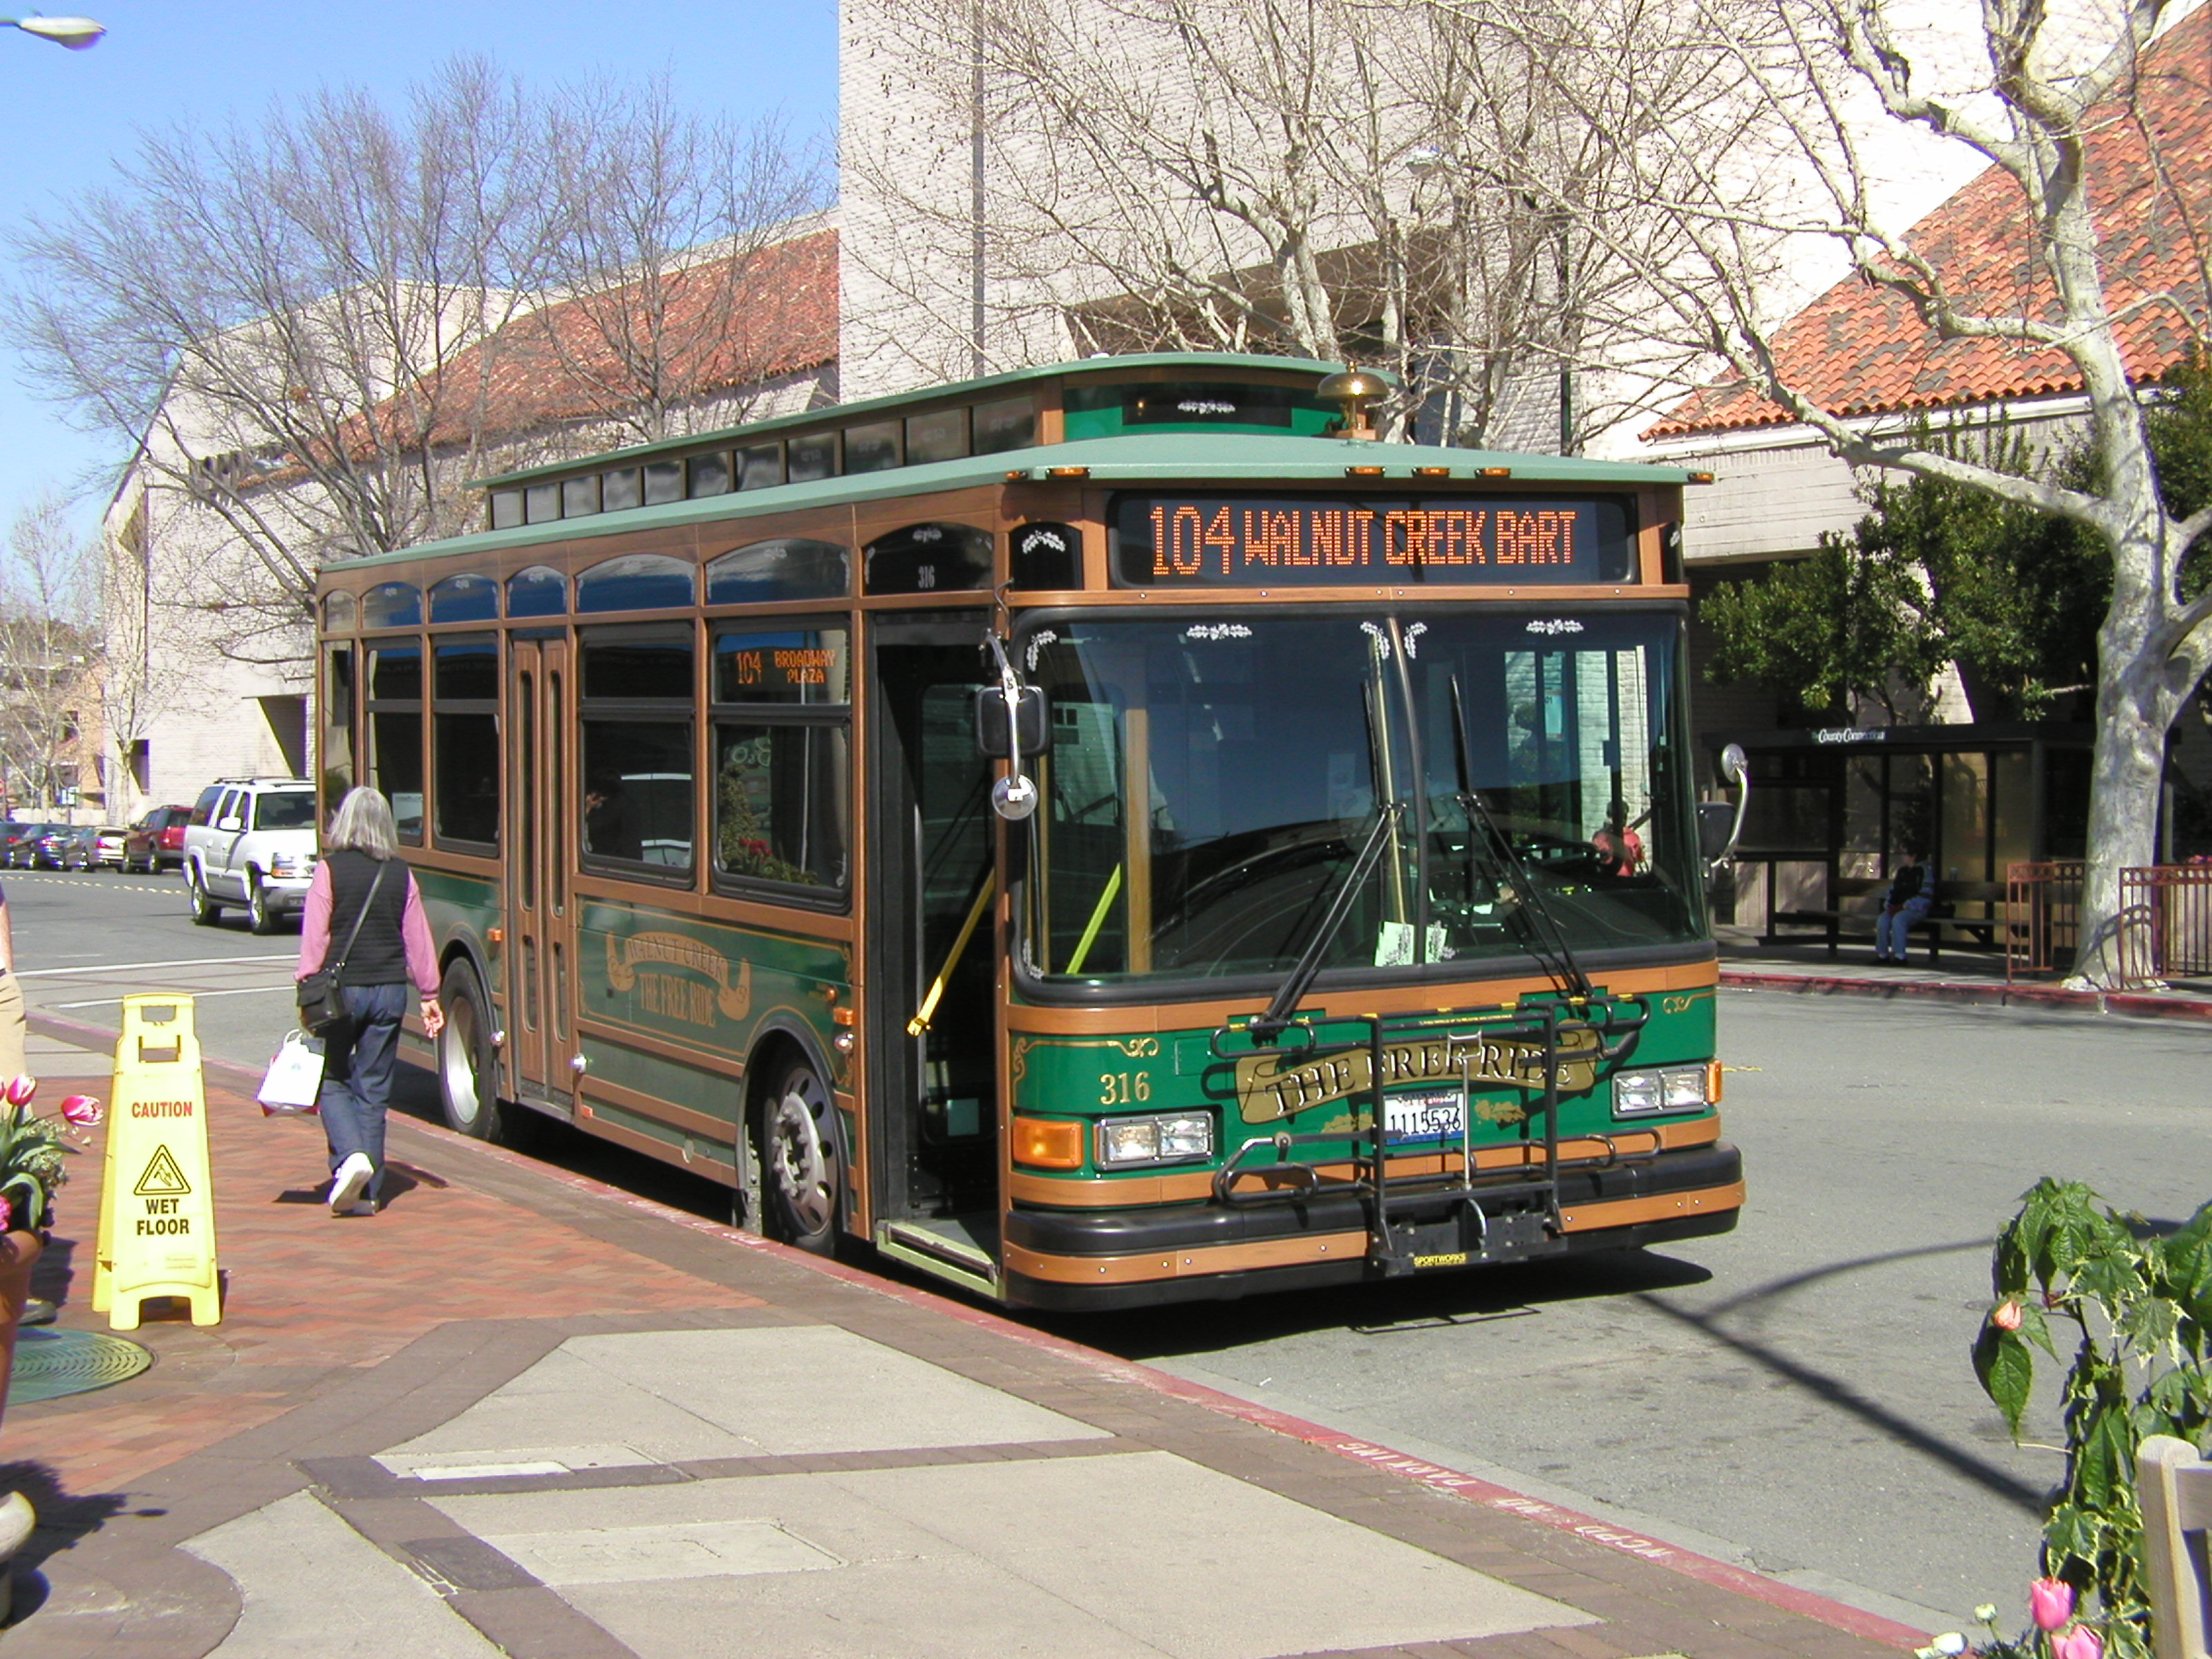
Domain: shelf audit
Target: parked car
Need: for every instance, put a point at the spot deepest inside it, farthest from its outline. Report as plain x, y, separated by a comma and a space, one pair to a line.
156, 841
23, 849
13, 837
108, 846
62, 846
67, 847
251, 841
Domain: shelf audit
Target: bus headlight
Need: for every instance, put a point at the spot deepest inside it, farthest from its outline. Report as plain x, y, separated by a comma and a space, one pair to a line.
1156, 1138
1673, 1089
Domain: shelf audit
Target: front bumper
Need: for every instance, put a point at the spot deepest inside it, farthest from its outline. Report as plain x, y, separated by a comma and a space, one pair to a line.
1099, 1259
286, 893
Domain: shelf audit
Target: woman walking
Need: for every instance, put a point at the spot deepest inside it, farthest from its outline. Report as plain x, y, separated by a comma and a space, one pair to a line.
362, 884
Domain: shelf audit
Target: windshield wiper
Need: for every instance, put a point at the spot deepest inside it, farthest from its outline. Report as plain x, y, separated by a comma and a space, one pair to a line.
1277, 1019
1564, 968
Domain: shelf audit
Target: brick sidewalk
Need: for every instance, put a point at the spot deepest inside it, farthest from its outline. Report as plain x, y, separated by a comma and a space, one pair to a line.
345, 1338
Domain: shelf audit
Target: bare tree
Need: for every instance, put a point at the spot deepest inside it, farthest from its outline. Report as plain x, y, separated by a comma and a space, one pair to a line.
662, 289
2055, 100
47, 651
1318, 178
301, 324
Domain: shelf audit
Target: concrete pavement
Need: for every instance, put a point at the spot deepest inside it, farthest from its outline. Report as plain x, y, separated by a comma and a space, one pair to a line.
520, 1411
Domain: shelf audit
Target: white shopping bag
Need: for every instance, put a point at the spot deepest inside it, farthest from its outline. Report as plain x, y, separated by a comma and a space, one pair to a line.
295, 1075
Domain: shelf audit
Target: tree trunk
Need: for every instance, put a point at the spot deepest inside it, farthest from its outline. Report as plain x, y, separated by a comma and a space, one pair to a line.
2127, 768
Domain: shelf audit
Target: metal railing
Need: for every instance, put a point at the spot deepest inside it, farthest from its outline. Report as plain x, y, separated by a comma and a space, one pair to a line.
2166, 922
2042, 917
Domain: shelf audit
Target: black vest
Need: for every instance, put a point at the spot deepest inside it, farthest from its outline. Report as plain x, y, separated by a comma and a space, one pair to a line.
378, 956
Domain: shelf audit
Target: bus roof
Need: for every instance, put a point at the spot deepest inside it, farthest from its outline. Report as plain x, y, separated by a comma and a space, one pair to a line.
1187, 456
1212, 363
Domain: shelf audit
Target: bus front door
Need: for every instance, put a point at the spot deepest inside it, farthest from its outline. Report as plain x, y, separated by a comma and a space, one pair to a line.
933, 953
541, 1036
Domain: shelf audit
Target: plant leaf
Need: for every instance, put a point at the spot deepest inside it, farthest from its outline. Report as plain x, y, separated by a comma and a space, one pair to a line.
2007, 1370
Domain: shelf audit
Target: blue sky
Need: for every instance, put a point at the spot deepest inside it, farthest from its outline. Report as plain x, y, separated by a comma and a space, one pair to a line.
65, 116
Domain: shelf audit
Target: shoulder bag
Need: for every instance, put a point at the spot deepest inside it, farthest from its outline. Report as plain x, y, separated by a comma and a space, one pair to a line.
322, 1001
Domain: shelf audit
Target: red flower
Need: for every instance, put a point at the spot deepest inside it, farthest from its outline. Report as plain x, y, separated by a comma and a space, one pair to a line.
2007, 1316
2050, 1604
21, 1088
7, 1213
83, 1110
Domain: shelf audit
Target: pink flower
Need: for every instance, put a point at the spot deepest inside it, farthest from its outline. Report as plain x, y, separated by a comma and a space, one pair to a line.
2080, 1643
2007, 1316
21, 1088
7, 1213
2050, 1604
83, 1110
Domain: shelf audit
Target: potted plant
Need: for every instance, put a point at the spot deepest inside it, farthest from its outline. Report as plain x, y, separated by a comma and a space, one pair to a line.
32, 1153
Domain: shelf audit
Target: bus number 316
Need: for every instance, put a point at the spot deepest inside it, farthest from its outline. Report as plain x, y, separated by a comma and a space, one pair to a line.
1122, 1088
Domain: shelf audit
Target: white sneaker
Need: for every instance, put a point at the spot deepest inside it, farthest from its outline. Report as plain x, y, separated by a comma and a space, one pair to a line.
353, 1174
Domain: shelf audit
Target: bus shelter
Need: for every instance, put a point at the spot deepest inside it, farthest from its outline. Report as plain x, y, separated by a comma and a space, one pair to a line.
1834, 811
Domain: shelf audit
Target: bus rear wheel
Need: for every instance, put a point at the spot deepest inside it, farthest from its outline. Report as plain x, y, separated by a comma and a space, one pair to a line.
801, 1168
468, 1065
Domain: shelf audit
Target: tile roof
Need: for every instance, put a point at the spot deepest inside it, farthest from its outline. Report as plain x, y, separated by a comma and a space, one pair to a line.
1858, 350
725, 324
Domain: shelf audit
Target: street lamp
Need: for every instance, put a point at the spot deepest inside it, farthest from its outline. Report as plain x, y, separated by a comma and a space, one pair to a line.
74, 32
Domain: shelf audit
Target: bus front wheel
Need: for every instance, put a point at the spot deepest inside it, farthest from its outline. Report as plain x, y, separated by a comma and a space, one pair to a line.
468, 1065
799, 1160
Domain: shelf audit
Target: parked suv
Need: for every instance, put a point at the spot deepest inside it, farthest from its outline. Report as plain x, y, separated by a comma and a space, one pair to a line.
251, 841
156, 841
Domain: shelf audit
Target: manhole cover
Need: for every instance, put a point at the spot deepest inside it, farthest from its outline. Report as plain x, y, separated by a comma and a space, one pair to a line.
51, 1364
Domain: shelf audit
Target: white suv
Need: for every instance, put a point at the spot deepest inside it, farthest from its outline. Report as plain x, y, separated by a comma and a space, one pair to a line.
251, 841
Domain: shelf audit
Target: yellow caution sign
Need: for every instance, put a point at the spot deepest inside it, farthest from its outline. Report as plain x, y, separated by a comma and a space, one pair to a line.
156, 1201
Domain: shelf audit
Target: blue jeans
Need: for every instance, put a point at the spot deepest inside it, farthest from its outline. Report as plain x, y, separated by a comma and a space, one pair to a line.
1892, 929
357, 1065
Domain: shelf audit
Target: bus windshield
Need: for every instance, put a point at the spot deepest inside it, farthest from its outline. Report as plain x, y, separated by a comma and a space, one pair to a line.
1211, 783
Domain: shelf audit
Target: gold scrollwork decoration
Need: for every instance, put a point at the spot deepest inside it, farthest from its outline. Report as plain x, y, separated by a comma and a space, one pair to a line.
624, 957
1141, 1048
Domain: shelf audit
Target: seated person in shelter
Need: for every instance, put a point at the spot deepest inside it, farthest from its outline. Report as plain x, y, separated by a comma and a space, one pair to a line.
1911, 892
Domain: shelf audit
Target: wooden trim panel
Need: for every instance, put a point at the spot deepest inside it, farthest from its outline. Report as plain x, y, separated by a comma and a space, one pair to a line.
1058, 1020
592, 1123
721, 1131
1153, 1264
1127, 1192
1181, 1264
1664, 1206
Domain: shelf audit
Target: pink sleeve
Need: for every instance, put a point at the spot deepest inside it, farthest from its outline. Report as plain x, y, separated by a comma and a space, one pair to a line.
315, 923
421, 953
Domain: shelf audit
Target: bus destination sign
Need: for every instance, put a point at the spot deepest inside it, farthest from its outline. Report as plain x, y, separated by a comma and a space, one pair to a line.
1254, 541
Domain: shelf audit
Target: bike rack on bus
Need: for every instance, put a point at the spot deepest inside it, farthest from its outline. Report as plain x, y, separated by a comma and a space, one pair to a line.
1436, 1220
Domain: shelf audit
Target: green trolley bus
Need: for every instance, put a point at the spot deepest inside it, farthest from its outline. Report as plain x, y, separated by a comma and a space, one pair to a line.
1102, 835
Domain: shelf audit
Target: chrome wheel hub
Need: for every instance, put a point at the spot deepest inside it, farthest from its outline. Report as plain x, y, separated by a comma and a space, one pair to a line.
802, 1168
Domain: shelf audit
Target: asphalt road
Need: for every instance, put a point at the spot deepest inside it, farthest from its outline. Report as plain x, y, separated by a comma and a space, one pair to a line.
1796, 1396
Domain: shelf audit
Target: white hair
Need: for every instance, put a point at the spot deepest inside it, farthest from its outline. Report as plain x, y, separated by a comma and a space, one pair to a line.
363, 823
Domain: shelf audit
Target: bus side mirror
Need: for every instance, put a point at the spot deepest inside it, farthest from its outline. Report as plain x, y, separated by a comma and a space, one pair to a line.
1720, 826
993, 739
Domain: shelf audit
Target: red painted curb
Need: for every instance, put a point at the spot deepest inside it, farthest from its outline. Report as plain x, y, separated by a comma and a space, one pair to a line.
2138, 1004
1452, 1482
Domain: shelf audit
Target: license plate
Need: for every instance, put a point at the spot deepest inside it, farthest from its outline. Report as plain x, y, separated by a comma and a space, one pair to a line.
1439, 1114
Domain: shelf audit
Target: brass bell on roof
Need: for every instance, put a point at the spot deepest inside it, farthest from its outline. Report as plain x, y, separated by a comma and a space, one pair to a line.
1352, 388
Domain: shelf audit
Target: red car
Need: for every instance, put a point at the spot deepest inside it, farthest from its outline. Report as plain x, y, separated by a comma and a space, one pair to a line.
156, 841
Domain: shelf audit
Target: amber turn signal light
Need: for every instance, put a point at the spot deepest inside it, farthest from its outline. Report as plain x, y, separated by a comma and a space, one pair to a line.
1363, 472
1044, 1144
1712, 1083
